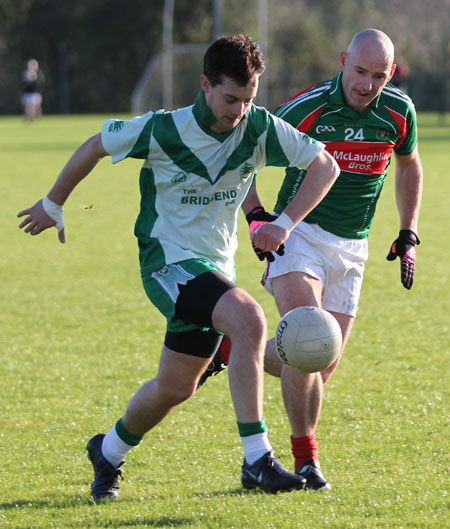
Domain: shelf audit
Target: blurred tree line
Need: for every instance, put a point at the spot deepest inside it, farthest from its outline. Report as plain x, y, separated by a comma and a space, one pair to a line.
93, 52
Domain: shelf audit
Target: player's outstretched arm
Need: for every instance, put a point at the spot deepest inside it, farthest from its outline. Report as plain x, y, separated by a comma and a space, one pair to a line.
408, 189
320, 176
48, 212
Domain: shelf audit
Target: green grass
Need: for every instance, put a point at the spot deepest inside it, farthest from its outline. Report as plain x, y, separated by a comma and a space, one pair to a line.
78, 337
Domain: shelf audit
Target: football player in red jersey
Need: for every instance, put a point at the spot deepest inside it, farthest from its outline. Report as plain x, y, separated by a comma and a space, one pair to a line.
362, 119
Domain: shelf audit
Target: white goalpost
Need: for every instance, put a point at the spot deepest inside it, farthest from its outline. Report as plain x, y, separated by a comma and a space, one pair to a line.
155, 86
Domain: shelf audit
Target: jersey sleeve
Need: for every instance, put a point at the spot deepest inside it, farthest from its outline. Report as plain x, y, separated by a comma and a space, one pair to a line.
128, 139
410, 141
287, 147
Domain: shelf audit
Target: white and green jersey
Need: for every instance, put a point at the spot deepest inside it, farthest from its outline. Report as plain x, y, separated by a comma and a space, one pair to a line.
193, 180
362, 145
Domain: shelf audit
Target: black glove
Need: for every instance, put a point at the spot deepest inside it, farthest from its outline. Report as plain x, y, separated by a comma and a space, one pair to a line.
256, 218
404, 247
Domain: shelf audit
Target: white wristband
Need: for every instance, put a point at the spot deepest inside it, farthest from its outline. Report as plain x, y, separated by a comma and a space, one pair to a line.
284, 221
55, 211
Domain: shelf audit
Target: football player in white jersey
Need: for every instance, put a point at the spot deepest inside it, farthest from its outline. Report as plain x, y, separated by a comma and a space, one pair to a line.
199, 164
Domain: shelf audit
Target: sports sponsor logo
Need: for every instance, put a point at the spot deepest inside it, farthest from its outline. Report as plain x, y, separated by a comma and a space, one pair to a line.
324, 128
190, 197
357, 157
282, 326
361, 157
258, 478
116, 126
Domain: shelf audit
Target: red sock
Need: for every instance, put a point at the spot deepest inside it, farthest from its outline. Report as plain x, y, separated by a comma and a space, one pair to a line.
225, 348
304, 449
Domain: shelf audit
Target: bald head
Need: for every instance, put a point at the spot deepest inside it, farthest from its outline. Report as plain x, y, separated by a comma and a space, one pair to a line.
367, 65
374, 40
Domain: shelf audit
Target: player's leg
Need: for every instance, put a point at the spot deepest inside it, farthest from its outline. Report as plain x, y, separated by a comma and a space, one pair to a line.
36, 106
27, 106
294, 289
302, 392
272, 362
206, 300
233, 311
155, 399
187, 351
339, 263
307, 388
346, 324
152, 402
219, 361
210, 300
242, 320
304, 419
239, 316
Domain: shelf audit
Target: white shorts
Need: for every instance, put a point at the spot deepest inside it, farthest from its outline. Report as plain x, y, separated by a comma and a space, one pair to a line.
32, 98
337, 262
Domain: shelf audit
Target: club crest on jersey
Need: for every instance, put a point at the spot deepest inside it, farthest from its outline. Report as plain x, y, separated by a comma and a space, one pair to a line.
381, 134
246, 171
180, 177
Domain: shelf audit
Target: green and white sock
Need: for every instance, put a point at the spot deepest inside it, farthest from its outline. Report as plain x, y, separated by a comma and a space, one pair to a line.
117, 443
255, 439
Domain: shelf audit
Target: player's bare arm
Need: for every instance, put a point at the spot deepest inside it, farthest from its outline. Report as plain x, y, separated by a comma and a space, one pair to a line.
319, 178
47, 212
251, 200
408, 189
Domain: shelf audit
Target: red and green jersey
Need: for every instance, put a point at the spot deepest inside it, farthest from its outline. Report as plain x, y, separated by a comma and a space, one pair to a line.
362, 145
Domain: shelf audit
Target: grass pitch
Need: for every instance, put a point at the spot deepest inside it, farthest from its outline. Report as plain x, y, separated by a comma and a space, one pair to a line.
78, 337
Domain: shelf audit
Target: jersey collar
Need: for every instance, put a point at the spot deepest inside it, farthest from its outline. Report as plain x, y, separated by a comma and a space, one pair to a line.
337, 95
205, 118
203, 114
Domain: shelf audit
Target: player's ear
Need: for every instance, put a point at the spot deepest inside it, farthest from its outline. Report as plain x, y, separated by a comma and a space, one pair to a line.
205, 84
342, 59
393, 68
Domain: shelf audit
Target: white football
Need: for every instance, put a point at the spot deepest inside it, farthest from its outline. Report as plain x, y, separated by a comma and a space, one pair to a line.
308, 339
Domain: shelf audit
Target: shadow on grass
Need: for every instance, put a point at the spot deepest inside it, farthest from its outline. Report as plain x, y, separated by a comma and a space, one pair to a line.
159, 522
235, 492
48, 503
78, 501
30, 508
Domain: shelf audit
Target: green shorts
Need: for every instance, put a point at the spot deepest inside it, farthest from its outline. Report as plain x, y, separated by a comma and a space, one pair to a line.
162, 288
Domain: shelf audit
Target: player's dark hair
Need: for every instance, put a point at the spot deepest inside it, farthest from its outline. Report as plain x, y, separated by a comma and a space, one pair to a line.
237, 57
